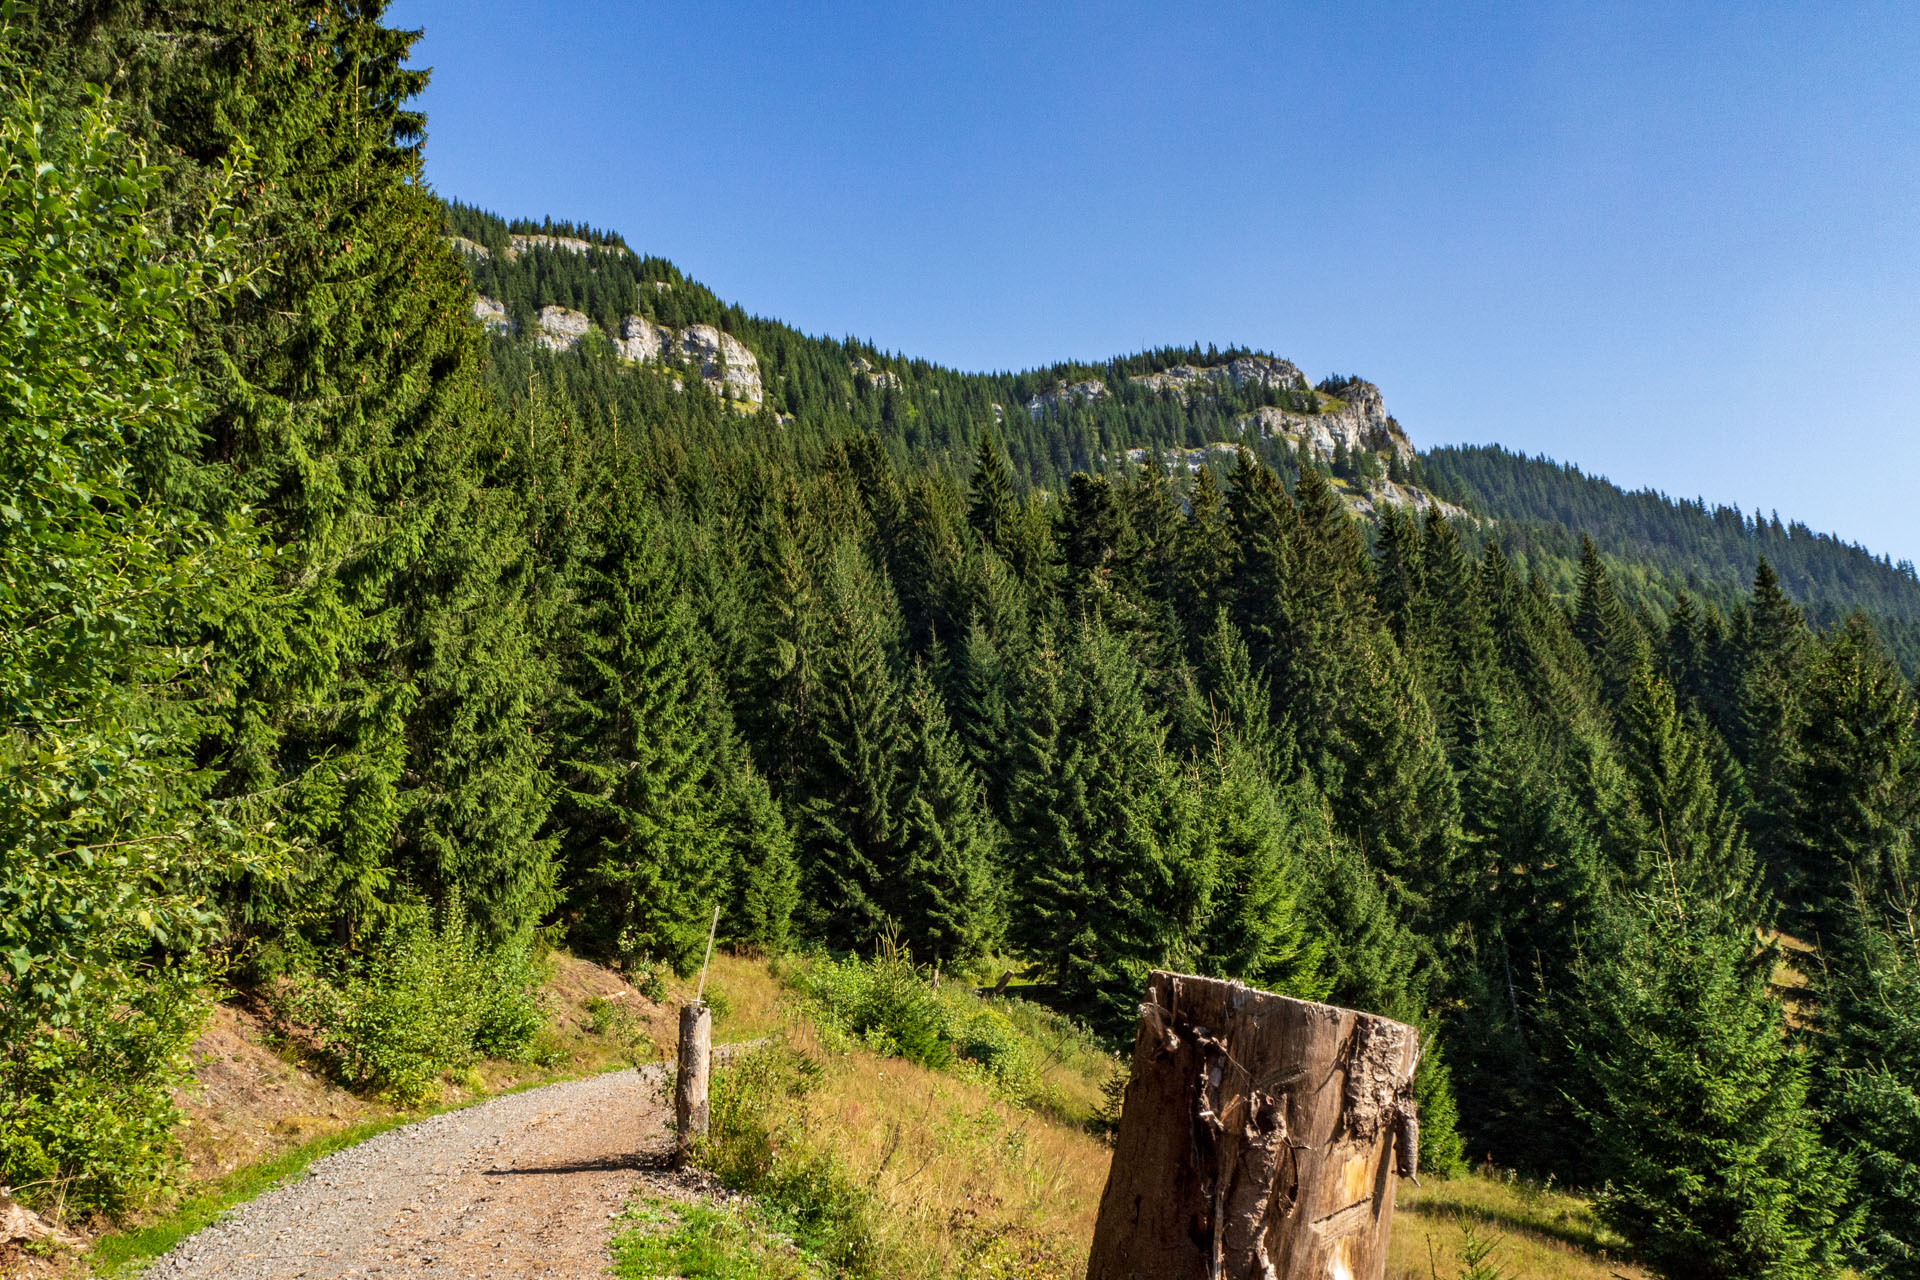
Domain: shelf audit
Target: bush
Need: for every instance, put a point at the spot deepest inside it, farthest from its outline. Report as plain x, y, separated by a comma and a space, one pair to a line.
890, 1007
417, 1001
86, 1110
756, 1143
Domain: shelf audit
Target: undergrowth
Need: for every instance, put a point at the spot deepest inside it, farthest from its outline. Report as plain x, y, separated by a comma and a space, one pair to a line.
418, 999
719, 1243
890, 1007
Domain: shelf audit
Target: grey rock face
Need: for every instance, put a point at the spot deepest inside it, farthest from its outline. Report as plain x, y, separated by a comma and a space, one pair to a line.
723, 361
1090, 390
491, 314
560, 329
472, 248
642, 339
882, 378
1361, 423
1264, 371
517, 245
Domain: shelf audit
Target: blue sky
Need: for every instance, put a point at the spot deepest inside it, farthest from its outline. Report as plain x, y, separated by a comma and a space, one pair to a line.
1678, 244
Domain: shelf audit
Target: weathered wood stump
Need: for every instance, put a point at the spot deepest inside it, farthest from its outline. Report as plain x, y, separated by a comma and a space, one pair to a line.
690, 1080
1256, 1139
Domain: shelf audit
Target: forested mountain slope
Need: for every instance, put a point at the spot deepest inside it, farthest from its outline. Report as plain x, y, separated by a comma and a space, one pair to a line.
1544, 508
383, 595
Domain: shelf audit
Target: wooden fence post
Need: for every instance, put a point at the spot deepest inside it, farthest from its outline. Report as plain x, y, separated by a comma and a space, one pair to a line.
1257, 1139
690, 1081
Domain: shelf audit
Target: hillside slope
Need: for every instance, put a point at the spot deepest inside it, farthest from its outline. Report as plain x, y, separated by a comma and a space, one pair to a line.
1542, 507
610, 323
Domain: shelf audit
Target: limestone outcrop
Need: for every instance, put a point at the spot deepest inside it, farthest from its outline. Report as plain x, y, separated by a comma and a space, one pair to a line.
1357, 419
1389, 493
491, 314
560, 329
517, 245
472, 248
882, 378
1062, 392
724, 362
1262, 371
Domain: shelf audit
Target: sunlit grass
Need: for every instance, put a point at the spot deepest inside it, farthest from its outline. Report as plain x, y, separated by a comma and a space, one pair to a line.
1542, 1234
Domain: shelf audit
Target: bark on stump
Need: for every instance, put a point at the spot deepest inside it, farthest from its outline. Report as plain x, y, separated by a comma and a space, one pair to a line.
1256, 1139
690, 1081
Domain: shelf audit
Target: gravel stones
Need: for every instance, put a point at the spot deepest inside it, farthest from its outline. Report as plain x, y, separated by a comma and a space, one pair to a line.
522, 1185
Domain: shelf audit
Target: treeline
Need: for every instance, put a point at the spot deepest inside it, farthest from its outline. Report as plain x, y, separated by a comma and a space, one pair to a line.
922, 410
1678, 545
326, 615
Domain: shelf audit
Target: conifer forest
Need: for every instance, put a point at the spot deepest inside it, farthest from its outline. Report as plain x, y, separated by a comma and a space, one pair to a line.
342, 628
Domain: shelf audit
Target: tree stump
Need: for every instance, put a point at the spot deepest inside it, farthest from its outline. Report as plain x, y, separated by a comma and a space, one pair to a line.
690, 1080
1256, 1139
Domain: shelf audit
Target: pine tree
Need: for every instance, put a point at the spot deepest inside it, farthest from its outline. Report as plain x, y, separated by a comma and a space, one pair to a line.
1854, 796
848, 791
639, 814
1696, 1104
1769, 673
1605, 628
951, 901
1869, 1080
1110, 869
345, 407
1690, 829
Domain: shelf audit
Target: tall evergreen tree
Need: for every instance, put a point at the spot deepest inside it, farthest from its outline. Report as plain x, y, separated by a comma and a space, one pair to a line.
1696, 1104
1111, 870
951, 903
848, 793
1854, 798
1869, 1080
642, 761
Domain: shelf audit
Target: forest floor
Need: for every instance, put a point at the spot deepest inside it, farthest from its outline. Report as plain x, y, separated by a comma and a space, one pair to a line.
560, 1171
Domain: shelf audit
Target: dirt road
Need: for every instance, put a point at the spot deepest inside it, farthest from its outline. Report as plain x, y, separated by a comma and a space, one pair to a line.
525, 1185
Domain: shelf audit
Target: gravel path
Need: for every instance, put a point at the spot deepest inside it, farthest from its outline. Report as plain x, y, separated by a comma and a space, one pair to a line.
524, 1185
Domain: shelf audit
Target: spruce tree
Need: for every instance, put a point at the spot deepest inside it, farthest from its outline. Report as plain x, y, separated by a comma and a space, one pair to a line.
1869, 1078
1111, 870
850, 786
951, 902
1695, 1102
642, 763
1606, 629
1770, 650
1854, 796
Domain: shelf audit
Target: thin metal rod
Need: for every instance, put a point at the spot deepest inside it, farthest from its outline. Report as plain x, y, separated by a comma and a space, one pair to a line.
700, 996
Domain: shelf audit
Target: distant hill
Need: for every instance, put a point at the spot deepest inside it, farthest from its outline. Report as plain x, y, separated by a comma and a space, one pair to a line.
1661, 545
615, 326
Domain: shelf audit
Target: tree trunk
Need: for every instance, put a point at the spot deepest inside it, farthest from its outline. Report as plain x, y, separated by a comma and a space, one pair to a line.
1256, 1139
690, 1083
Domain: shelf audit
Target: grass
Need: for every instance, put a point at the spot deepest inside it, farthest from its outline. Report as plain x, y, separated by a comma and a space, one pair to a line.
657, 1238
1539, 1233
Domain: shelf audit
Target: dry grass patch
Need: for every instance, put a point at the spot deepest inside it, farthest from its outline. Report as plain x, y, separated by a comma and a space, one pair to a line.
907, 1171
1541, 1234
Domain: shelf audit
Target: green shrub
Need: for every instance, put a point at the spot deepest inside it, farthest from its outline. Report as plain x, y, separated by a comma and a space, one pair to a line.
86, 1110
753, 1144
890, 1007
416, 1001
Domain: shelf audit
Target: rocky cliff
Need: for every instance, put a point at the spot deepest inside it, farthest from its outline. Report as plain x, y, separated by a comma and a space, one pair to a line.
1063, 391
1263, 371
1357, 419
721, 360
